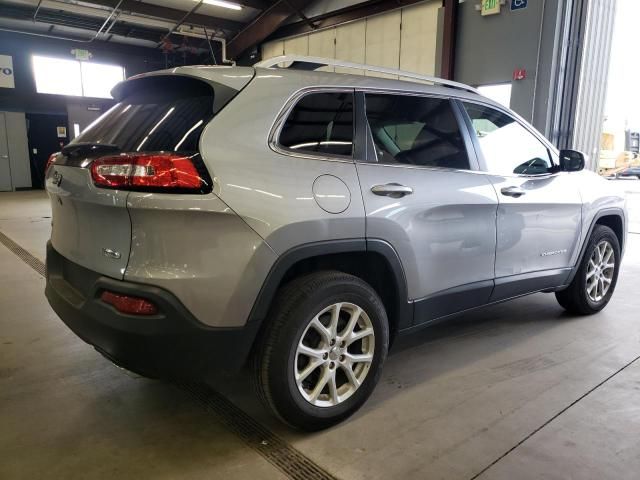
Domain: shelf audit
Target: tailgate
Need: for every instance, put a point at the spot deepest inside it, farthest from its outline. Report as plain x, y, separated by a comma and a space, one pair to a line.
157, 116
90, 226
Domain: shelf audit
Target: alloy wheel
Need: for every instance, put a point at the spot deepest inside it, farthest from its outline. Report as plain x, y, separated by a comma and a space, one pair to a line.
334, 354
600, 271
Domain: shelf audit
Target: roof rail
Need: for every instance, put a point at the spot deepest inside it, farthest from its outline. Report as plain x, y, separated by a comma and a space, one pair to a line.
313, 63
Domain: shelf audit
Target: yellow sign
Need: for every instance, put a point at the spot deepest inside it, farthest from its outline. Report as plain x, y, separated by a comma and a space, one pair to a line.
490, 7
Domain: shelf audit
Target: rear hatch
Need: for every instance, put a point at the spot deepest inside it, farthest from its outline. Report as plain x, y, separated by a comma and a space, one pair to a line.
149, 141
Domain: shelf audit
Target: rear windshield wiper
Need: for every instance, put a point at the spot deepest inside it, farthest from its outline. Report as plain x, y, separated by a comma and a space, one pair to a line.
84, 148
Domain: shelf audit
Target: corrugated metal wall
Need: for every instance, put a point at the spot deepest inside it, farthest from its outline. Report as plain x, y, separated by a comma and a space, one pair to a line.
594, 73
404, 38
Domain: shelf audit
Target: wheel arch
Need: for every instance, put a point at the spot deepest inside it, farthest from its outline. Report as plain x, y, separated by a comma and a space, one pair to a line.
615, 222
375, 261
613, 218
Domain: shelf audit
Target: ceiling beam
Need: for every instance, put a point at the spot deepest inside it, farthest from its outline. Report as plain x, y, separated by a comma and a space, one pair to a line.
172, 14
263, 26
343, 15
259, 4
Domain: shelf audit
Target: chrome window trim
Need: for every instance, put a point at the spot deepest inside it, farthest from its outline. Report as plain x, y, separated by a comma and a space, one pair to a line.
285, 111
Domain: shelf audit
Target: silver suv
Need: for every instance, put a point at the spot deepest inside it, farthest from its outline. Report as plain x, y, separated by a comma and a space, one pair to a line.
299, 220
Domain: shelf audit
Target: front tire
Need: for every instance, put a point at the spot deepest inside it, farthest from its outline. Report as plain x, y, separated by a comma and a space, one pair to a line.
595, 281
322, 352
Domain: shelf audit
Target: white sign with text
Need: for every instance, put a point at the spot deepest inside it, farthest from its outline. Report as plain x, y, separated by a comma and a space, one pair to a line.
6, 72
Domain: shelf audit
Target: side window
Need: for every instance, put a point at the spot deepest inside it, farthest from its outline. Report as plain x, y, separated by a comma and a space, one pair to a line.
507, 147
416, 131
320, 123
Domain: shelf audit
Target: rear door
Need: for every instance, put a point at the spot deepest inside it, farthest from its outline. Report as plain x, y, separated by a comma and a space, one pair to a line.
539, 216
154, 115
423, 195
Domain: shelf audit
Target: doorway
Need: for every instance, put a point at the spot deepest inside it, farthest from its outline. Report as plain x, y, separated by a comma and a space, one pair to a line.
5, 165
47, 134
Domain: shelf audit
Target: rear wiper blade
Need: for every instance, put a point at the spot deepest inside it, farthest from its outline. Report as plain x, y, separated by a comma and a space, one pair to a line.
88, 148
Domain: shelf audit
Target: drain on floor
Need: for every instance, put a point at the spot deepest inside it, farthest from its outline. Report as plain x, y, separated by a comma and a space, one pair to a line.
25, 256
274, 449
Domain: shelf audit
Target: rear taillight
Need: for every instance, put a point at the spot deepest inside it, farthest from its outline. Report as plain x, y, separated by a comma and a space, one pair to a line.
51, 161
128, 304
152, 171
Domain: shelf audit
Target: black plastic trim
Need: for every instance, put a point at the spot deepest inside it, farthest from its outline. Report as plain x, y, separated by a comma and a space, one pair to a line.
603, 213
461, 117
530, 282
404, 308
172, 343
451, 301
287, 260
361, 131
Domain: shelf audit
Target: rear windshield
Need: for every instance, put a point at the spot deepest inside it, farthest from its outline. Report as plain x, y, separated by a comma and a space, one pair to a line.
158, 114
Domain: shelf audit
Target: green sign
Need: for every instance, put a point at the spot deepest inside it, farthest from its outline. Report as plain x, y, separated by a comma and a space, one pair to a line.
490, 7
81, 54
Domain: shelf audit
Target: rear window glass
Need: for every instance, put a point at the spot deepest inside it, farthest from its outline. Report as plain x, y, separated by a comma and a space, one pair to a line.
320, 123
158, 114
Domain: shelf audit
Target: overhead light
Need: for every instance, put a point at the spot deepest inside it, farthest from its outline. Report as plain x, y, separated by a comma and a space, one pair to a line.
223, 4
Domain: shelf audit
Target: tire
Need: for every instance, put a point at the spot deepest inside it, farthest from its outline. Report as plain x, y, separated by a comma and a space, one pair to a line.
277, 359
579, 297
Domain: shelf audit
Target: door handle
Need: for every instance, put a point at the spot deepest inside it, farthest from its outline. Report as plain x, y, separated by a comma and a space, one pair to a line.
394, 190
513, 192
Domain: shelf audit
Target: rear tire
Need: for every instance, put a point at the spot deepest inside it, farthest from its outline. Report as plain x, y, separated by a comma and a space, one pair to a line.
595, 281
319, 326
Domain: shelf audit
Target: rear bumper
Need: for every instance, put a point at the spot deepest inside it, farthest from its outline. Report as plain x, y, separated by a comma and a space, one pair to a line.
170, 344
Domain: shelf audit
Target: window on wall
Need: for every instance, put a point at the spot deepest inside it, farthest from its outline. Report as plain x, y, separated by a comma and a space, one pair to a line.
71, 77
500, 93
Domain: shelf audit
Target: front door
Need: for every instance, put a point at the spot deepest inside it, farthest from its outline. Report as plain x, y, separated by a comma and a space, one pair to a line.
539, 216
5, 168
422, 195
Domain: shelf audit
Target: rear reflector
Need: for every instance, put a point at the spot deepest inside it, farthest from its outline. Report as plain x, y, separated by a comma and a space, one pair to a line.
128, 304
154, 171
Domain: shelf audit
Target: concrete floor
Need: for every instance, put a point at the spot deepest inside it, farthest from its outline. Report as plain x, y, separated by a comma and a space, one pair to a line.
520, 390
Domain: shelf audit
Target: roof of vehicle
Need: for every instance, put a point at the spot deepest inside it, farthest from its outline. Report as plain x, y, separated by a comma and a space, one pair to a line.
294, 78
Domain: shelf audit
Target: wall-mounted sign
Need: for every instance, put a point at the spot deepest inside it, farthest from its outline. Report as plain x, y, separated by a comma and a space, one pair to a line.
518, 4
81, 54
490, 7
62, 132
519, 74
6, 72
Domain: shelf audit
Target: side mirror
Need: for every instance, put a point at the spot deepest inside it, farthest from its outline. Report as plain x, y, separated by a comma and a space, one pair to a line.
571, 161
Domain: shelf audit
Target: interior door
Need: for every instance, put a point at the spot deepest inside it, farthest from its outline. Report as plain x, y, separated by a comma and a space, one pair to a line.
422, 196
5, 167
540, 208
44, 139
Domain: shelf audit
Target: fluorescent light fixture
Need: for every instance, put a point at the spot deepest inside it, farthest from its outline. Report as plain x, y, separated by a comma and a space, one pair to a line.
223, 4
